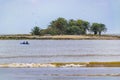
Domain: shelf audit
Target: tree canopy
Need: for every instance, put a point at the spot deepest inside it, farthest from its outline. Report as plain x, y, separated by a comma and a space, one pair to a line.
35, 31
61, 26
98, 28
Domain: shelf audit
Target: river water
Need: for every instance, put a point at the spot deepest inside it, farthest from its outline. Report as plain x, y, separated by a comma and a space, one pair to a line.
50, 51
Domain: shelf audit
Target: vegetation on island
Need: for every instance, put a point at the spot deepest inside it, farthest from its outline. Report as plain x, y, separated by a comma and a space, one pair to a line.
62, 29
61, 26
36, 31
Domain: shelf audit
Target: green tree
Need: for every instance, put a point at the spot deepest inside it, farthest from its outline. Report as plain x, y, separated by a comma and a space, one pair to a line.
85, 26
73, 30
72, 22
51, 31
79, 26
102, 28
35, 31
60, 25
94, 28
98, 28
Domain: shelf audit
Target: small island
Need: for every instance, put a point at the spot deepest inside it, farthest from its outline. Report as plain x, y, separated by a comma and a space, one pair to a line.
62, 29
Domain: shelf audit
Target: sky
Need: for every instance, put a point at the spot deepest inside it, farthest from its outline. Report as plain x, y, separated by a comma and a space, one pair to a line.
20, 16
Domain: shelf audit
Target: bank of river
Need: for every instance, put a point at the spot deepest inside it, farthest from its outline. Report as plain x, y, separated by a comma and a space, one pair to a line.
61, 37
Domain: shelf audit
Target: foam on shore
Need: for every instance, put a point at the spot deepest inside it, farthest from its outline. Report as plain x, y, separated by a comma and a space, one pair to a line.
39, 65
25, 65
58, 64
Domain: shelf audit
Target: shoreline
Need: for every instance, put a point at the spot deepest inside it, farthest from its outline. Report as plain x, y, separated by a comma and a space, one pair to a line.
60, 64
59, 37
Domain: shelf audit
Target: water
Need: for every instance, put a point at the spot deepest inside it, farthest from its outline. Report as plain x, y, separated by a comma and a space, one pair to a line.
59, 73
48, 51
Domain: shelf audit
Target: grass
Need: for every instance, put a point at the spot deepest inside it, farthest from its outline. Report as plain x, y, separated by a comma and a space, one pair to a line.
60, 37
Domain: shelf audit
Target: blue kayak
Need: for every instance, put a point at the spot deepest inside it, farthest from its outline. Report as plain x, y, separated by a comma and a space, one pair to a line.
26, 43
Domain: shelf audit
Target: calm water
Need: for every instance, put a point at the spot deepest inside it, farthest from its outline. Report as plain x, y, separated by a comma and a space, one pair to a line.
47, 51
58, 73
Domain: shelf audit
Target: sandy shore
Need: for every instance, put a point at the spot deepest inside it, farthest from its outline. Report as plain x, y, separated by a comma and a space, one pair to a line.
62, 37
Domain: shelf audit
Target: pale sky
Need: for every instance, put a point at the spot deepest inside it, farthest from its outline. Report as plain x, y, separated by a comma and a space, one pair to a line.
20, 16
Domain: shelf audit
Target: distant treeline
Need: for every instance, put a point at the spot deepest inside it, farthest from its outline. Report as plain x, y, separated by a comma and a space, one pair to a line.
61, 26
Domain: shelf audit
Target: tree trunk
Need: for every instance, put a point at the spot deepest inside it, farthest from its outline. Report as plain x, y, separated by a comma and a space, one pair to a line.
85, 31
100, 33
95, 32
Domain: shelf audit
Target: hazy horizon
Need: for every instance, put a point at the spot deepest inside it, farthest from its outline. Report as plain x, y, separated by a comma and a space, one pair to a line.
20, 16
